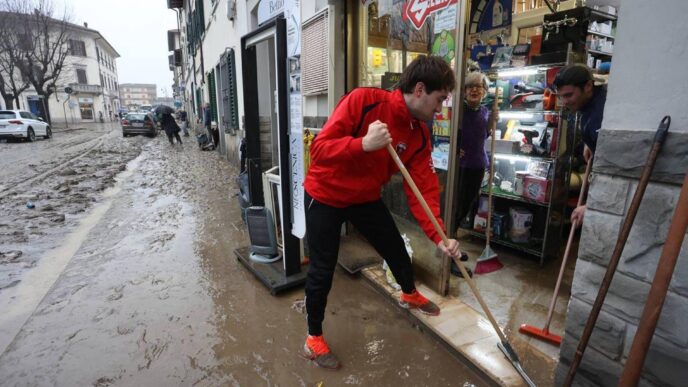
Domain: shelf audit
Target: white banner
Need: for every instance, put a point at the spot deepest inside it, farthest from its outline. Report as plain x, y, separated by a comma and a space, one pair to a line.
292, 14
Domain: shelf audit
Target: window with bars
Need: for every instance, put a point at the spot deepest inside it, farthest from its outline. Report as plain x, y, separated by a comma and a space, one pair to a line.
314, 55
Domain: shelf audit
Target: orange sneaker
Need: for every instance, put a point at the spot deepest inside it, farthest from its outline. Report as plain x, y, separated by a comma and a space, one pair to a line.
417, 301
317, 350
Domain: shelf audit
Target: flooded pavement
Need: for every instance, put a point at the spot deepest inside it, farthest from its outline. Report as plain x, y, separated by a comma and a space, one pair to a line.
47, 187
146, 291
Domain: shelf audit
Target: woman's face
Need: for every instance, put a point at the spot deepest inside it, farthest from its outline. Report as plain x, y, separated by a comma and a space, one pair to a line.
475, 94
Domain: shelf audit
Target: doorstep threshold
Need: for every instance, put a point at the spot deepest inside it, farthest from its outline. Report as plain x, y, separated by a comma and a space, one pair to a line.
464, 331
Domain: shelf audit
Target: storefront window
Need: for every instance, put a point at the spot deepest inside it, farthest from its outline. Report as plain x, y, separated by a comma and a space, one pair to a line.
393, 37
86, 109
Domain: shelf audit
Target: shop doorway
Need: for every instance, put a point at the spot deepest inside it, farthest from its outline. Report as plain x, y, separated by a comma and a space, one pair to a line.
267, 147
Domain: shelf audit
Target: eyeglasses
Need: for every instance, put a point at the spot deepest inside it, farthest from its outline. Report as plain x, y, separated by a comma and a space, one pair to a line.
475, 86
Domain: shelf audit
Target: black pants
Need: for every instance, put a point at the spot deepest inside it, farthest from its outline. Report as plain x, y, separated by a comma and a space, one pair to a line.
470, 180
323, 228
171, 137
214, 134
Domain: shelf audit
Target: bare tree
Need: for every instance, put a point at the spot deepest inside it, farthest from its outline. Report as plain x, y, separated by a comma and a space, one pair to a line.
12, 83
43, 44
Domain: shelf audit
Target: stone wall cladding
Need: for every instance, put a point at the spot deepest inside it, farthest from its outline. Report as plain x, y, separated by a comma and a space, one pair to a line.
624, 152
598, 229
609, 195
609, 334
619, 161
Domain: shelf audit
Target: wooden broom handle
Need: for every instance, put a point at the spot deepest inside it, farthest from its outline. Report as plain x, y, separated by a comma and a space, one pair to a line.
439, 230
493, 130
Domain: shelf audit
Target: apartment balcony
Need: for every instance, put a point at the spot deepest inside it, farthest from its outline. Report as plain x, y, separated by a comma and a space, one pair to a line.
86, 89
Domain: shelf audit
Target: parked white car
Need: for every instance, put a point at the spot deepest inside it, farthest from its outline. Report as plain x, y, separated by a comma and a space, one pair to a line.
22, 124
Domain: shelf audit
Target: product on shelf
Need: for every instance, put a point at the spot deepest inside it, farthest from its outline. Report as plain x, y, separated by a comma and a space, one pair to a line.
536, 188
500, 223
480, 221
521, 220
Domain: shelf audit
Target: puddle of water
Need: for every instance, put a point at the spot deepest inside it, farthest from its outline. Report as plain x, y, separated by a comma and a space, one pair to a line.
20, 301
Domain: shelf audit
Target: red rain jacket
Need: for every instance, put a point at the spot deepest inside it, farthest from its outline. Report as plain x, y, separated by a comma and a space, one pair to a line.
341, 173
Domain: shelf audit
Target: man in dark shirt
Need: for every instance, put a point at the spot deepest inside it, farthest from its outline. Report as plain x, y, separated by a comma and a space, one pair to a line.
578, 93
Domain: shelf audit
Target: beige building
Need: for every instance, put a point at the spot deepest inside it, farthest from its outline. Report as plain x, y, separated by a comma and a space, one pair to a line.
135, 95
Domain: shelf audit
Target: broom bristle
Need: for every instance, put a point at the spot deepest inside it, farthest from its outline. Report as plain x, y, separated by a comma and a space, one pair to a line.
487, 262
488, 266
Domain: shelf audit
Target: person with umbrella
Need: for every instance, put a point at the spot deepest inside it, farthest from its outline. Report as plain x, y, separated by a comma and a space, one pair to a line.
168, 124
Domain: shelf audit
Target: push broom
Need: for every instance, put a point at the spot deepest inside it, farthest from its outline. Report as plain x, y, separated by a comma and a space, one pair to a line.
544, 333
488, 261
504, 345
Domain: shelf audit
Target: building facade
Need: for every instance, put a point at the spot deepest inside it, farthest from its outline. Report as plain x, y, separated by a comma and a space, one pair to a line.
92, 76
88, 86
135, 95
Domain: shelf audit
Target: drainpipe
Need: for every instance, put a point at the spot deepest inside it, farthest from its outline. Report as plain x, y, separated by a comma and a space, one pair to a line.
100, 75
179, 28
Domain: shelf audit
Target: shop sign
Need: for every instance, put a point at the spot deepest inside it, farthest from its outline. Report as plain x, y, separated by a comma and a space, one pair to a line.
267, 9
417, 11
85, 100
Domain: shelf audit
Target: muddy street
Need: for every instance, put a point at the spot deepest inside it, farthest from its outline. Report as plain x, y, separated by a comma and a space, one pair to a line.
124, 274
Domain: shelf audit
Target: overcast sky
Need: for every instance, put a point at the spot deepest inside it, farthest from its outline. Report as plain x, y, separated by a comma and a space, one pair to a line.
137, 29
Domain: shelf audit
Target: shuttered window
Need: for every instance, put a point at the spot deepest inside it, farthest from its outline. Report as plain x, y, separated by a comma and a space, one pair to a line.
199, 104
230, 110
314, 56
213, 95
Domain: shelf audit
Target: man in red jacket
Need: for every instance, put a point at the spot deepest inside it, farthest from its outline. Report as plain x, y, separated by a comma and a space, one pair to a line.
349, 166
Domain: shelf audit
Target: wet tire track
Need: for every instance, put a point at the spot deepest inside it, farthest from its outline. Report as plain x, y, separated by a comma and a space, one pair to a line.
17, 186
58, 198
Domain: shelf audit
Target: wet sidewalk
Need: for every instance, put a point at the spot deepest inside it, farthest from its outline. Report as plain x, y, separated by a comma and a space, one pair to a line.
150, 294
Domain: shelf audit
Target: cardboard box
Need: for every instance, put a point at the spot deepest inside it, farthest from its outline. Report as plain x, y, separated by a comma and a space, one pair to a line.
536, 188
480, 222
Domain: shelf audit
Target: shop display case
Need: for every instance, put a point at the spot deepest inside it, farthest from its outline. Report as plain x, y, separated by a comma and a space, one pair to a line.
532, 165
590, 31
599, 43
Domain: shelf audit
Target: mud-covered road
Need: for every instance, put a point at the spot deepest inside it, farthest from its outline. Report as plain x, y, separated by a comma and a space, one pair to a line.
124, 274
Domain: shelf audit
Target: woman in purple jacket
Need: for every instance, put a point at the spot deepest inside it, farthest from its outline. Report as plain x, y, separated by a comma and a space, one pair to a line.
475, 129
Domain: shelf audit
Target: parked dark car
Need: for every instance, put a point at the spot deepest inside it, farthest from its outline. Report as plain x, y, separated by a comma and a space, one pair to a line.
139, 123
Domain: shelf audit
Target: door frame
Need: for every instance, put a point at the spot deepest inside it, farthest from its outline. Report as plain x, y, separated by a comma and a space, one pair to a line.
277, 30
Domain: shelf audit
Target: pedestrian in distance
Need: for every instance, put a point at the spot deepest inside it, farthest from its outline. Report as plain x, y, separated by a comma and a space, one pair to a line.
183, 118
349, 166
169, 125
578, 93
207, 122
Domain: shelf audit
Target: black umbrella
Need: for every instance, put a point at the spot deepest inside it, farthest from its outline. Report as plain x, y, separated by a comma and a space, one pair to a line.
163, 109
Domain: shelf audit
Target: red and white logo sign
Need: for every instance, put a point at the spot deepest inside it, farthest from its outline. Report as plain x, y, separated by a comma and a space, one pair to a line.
418, 10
